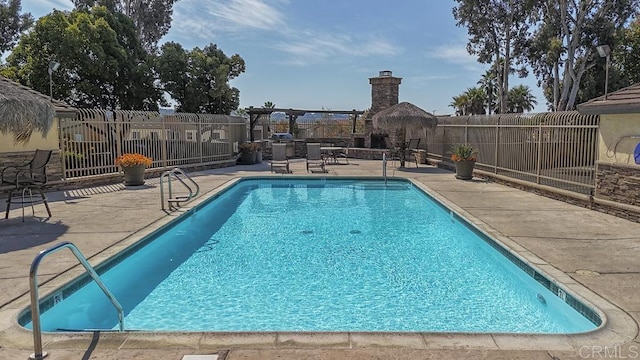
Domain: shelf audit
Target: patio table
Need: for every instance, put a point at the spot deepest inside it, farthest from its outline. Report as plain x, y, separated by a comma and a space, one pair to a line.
331, 152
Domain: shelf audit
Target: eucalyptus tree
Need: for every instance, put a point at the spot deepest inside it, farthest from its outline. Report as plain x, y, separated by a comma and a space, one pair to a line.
627, 55
12, 23
102, 64
152, 18
563, 46
497, 31
198, 80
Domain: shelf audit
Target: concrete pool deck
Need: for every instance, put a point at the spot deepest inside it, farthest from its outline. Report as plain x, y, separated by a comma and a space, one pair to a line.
594, 255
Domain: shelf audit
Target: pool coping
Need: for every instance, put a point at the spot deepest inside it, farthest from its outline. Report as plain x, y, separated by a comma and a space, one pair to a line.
618, 326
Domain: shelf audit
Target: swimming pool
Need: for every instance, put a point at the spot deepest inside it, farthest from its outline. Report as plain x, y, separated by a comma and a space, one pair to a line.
320, 255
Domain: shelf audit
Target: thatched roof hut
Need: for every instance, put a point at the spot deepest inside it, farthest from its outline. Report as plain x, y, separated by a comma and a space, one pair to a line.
401, 117
23, 110
404, 115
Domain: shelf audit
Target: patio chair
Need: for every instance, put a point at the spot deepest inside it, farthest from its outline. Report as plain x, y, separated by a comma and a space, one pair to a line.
393, 152
343, 153
26, 177
314, 157
412, 150
279, 158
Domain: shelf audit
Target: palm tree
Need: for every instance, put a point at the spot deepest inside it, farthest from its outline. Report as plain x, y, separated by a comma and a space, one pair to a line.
471, 102
269, 105
460, 103
489, 83
477, 99
520, 99
498, 70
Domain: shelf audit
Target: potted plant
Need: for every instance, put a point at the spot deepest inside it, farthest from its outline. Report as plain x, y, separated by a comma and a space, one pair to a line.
133, 165
248, 152
464, 157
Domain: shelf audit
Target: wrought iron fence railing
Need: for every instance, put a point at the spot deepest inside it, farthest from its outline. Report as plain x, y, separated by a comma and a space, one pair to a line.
91, 142
555, 149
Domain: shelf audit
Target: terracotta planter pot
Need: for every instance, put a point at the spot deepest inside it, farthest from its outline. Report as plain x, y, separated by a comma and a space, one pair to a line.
464, 169
133, 175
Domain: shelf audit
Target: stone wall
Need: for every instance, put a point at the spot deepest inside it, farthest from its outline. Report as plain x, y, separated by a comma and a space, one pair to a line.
54, 168
618, 182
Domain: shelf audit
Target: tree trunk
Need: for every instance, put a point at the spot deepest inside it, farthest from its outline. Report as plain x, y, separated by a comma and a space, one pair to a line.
507, 61
556, 85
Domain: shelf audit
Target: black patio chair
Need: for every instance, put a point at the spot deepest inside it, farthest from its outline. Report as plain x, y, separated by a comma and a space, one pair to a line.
393, 151
412, 150
27, 177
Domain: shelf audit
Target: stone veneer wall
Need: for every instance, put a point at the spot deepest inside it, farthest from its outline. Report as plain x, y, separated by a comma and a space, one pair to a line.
618, 182
54, 168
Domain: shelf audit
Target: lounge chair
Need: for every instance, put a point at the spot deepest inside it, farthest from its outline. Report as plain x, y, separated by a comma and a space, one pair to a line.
314, 157
26, 177
279, 158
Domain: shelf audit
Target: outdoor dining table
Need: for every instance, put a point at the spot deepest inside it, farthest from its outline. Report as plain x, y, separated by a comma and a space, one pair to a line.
331, 152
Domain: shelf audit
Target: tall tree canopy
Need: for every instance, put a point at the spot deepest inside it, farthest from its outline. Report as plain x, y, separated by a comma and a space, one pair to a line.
497, 29
102, 63
627, 56
12, 23
198, 80
152, 18
566, 34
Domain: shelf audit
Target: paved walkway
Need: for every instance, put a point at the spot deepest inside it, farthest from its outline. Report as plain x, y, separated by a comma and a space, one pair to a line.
595, 255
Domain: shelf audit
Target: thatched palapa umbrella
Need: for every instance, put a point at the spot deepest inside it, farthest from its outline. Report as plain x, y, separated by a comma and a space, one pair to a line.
401, 117
404, 115
23, 110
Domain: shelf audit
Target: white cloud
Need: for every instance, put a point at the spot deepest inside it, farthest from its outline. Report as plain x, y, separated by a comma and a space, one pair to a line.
53, 4
243, 14
456, 54
197, 22
39, 8
315, 48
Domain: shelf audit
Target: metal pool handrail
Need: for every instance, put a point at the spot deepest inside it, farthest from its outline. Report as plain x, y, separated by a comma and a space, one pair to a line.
35, 305
384, 167
177, 173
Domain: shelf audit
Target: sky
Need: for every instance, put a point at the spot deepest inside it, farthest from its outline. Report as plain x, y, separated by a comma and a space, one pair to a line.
320, 54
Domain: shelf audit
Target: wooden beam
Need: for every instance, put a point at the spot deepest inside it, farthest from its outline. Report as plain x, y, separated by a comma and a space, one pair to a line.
254, 110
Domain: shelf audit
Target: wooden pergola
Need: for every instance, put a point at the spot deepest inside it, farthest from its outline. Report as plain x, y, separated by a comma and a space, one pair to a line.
256, 113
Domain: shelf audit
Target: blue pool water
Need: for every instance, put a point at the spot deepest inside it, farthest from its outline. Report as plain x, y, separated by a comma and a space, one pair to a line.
319, 255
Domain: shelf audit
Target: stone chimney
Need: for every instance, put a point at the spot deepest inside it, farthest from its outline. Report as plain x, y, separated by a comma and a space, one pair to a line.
384, 94
384, 91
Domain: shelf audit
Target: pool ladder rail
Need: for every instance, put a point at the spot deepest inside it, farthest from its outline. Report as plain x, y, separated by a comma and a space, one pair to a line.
35, 304
174, 201
384, 167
